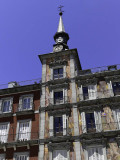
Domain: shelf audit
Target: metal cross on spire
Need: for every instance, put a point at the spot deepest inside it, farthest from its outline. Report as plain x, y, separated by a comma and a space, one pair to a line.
60, 10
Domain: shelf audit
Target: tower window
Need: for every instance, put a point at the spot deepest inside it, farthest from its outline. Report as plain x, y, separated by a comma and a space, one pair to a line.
58, 97
90, 122
58, 73
58, 126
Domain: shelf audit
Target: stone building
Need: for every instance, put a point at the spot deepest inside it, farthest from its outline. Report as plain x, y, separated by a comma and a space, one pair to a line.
71, 114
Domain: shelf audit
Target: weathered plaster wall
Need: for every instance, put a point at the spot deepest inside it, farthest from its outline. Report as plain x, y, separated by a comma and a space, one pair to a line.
107, 118
113, 152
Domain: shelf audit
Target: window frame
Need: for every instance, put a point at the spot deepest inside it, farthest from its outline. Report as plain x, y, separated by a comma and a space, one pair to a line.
11, 104
21, 104
3, 155
56, 67
96, 146
8, 127
17, 129
19, 153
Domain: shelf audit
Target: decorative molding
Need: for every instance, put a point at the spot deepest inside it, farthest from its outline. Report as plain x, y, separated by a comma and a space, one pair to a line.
59, 112
59, 146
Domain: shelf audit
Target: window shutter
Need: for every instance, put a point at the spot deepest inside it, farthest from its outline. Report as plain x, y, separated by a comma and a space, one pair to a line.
3, 132
64, 124
51, 126
92, 92
11, 104
116, 115
110, 89
31, 102
100, 154
20, 104
80, 93
98, 123
83, 122
0, 106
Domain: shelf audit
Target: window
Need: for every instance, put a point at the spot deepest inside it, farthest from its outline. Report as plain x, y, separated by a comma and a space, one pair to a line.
25, 103
116, 88
60, 155
60, 125
21, 156
85, 93
4, 128
96, 153
6, 106
58, 97
89, 92
90, 122
58, 73
2, 156
24, 129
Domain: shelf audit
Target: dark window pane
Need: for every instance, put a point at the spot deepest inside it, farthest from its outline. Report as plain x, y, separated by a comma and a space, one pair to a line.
85, 93
58, 73
90, 122
58, 125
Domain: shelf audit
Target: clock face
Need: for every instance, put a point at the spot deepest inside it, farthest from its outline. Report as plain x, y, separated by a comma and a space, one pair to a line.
58, 48
59, 40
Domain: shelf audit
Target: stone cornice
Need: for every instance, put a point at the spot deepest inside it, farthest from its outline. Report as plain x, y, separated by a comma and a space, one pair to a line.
20, 89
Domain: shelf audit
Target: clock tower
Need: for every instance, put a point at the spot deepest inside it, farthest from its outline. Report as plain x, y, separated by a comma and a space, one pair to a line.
61, 37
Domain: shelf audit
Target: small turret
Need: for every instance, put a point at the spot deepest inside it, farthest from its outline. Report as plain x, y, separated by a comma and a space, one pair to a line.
61, 37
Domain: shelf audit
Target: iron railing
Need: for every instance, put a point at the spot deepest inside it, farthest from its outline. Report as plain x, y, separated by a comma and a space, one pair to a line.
25, 107
22, 83
60, 131
56, 76
103, 127
98, 70
98, 94
57, 101
8, 138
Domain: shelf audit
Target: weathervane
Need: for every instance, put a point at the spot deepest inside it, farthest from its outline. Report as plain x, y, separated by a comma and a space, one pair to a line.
60, 10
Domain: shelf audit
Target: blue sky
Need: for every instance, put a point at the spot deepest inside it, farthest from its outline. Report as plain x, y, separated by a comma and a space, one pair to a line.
27, 28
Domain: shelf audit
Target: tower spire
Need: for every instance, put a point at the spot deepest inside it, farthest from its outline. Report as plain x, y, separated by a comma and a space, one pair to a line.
61, 37
61, 25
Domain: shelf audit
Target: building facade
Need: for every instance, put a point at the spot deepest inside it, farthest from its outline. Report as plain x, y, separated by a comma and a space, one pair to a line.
71, 114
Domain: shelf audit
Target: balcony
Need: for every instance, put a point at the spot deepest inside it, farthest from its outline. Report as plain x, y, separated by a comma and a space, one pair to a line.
55, 77
59, 101
103, 127
24, 139
60, 131
25, 108
98, 70
98, 95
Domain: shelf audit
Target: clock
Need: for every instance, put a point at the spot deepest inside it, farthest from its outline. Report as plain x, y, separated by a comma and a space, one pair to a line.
59, 40
58, 48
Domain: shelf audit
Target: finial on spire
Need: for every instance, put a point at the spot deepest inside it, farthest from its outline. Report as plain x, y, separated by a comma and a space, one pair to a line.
61, 25
60, 10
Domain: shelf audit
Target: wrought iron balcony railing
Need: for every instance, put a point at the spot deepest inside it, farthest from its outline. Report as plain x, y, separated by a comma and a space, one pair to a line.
56, 76
25, 107
98, 95
103, 127
98, 70
59, 100
8, 138
60, 131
